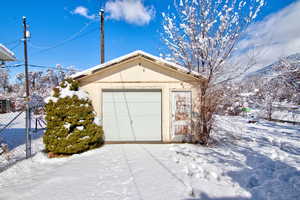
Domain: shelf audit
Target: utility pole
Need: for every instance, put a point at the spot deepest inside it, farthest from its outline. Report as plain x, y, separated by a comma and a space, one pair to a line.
25, 34
101, 13
28, 120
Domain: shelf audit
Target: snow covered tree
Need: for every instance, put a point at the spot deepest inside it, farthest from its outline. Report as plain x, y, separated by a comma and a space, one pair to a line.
232, 105
202, 35
40, 84
71, 124
289, 74
278, 86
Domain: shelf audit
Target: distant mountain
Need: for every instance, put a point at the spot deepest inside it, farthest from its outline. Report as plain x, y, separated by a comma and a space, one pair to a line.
275, 69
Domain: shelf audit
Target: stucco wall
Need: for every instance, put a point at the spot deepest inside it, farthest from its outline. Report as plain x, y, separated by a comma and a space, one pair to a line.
141, 74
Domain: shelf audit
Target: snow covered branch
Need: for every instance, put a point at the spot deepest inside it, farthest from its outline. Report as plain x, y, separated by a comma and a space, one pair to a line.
202, 35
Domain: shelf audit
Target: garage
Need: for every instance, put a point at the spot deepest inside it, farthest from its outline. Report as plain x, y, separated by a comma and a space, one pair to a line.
140, 98
132, 115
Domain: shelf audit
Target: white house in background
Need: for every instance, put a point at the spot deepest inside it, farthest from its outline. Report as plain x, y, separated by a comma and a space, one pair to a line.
142, 98
6, 54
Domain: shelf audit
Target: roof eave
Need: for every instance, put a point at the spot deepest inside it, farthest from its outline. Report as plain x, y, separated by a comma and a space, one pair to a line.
6, 54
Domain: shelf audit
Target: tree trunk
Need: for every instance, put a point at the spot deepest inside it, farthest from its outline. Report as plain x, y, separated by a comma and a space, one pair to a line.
205, 134
270, 110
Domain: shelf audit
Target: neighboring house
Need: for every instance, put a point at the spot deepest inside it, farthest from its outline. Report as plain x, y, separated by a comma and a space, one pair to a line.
142, 98
6, 54
6, 106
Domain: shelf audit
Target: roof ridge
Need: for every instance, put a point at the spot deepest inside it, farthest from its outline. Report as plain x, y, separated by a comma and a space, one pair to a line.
127, 56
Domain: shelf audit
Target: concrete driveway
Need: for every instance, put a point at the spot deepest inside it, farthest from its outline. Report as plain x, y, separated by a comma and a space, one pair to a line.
116, 171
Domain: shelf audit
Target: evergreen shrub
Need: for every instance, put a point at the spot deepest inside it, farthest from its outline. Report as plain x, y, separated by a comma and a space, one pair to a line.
71, 123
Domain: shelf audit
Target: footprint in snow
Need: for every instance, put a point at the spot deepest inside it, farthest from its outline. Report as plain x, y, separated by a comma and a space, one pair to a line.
176, 159
188, 171
253, 182
128, 181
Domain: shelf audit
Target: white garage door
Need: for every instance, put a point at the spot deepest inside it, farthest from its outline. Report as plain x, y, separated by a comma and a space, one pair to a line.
132, 115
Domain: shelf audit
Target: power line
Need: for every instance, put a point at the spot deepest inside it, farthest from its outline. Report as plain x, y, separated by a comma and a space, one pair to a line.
13, 66
80, 36
11, 42
87, 33
71, 38
47, 67
40, 66
17, 45
47, 48
66, 40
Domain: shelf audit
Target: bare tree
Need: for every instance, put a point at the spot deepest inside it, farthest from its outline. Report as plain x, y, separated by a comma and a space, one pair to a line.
289, 74
40, 84
202, 35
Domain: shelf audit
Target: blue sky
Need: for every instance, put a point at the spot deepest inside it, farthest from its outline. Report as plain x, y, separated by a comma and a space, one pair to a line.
52, 22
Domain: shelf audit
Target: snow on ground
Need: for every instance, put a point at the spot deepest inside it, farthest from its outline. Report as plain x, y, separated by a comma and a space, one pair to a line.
286, 114
14, 135
255, 161
293, 115
111, 172
248, 161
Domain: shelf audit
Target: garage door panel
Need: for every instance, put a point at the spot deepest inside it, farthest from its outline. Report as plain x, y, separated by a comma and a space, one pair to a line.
131, 96
147, 129
143, 109
114, 126
132, 116
132, 109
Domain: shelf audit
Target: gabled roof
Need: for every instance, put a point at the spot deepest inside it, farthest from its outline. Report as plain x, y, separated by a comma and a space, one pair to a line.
6, 54
160, 61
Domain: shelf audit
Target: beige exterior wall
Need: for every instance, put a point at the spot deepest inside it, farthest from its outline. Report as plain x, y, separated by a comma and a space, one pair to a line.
140, 73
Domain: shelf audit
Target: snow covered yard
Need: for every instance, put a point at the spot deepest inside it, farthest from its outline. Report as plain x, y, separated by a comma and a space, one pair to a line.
249, 161
14, 135
288, 115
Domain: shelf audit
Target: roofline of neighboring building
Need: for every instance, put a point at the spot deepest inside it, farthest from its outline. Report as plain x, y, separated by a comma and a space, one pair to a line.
6, 54
134, 54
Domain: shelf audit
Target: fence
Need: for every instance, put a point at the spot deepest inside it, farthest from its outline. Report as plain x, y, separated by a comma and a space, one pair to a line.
13, 130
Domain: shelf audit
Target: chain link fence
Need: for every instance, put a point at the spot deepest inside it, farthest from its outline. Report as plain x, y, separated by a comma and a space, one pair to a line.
13, 132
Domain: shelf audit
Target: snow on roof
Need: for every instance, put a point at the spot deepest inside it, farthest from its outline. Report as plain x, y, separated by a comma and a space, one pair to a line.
6, 54
156, 59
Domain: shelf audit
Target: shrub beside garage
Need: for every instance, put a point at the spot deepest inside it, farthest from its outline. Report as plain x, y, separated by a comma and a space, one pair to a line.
72, 126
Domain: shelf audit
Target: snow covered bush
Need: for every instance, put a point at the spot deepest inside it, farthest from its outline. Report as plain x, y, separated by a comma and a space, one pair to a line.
70, 117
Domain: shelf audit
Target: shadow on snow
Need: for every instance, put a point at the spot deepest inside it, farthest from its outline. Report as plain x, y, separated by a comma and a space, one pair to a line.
15, 137
263, 177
